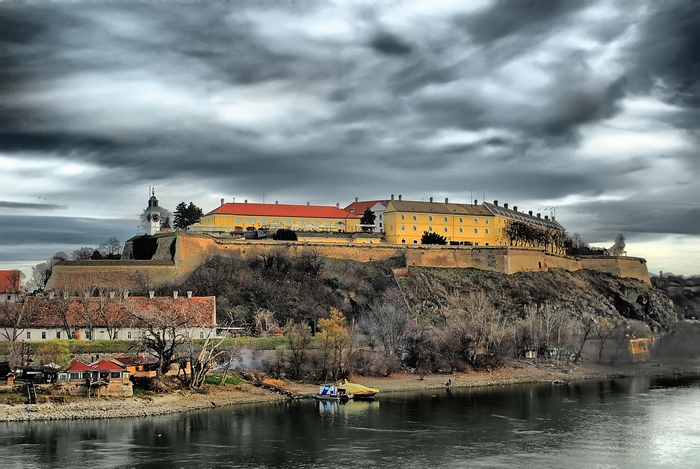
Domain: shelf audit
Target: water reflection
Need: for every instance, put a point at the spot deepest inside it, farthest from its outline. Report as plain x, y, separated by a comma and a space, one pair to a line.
640, 422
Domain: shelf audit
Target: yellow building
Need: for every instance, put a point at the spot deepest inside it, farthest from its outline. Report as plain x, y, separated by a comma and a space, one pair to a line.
406, 221
464, 224
245, 216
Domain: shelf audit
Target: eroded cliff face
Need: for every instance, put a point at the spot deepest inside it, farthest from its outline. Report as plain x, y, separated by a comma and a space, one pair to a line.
431, 290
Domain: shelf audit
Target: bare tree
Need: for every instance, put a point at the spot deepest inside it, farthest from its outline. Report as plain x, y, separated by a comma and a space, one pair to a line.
587, 324
111, 248
82, 254
387, 320
300, 339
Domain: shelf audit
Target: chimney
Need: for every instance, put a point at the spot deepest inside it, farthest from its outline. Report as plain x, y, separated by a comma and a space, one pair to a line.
356, 199
539, 215
111, 294
515, 207
530, 213
126, 294
546, 217
431, 200
86, 295
352, 210
222, 201
505, 205
151, 294
308, 203
189, 293
51, 294
447, 201
400, 197
245, 201
392, 196
337, 205
495, 202
476, 202
174, 295
277, 202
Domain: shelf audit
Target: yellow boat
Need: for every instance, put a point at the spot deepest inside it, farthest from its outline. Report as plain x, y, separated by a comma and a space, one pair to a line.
357, 391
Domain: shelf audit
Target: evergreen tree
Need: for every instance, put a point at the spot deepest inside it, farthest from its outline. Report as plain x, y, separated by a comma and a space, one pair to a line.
186, 215
430, 237
368, 218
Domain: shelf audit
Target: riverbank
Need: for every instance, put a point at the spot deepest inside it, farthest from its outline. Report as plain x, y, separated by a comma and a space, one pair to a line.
516, 373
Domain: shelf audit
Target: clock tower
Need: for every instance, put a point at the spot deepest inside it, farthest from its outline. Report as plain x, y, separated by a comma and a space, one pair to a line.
153, 215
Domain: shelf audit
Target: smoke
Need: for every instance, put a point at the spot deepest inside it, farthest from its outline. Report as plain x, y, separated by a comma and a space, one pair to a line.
249, 359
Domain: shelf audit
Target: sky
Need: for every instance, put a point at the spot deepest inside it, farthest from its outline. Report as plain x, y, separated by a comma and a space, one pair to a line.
587, 110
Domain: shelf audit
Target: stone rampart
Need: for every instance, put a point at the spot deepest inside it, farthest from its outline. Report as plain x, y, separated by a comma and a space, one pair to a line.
192, 251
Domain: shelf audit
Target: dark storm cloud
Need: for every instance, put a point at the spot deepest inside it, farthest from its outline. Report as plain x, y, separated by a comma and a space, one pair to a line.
56, 231
520, 18
21, 205
390, 44
155, 93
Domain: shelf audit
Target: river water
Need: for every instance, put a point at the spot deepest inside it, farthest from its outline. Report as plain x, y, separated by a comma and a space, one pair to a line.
627, 423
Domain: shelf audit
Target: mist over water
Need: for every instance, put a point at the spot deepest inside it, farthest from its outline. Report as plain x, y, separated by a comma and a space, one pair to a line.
639, 422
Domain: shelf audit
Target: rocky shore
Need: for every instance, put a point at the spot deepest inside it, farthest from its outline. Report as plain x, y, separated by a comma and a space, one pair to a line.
516, 373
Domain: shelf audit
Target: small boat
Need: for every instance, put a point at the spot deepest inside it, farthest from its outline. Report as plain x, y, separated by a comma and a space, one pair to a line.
358, 391
330, 392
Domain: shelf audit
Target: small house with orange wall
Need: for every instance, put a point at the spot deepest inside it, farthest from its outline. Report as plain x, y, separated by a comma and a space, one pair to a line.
101, 378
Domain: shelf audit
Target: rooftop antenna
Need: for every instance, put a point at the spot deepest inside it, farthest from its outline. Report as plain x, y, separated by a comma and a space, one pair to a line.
263, 197
483, 196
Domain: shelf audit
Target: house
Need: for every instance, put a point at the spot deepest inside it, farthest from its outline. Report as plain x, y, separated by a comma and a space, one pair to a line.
376, 206
109, 317
139, 366
101, 378
239, 217
10, 281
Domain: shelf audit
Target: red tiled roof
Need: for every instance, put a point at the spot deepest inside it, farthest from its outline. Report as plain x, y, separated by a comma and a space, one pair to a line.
130, 312
105, 365
77, 366
360, 207
9, 280
282, 210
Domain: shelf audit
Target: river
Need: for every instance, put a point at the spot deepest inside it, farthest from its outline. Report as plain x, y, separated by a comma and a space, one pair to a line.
635, 423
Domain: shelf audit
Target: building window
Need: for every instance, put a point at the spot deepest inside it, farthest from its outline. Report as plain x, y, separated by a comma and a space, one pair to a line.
486, 221
461, 230
380, 225
415, 241
446, 230
380, 217
461, 220
476, 220
403, 227
415, 228
445, 219
430, 218
415, 218
403, 217
29, 335
58, 334
486, 230
476, 244
430, 228
201, 334
43, 335
128, 335
403, 241
476, 230
486, 244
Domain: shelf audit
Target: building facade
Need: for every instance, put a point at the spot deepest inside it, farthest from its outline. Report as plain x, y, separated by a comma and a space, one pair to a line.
240, 217
10, 282
377, 207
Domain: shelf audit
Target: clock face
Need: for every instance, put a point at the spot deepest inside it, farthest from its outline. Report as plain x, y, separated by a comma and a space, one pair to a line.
155, 217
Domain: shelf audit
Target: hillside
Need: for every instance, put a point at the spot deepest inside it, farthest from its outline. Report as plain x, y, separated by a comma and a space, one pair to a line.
684, 291
429, 290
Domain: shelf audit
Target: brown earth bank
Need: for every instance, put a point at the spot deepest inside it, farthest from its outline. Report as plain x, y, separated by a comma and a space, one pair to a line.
517, 372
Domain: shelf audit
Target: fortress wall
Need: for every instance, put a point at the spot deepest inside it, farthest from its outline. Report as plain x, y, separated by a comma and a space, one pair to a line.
130, 276
526, 260
633, 267
561, 262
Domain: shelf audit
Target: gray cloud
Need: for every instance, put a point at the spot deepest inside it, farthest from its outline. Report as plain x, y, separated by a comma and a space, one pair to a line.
244, 99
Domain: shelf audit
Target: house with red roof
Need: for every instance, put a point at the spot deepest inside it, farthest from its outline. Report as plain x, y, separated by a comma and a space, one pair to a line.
101, 378
10, 281
239, 217
376, 206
